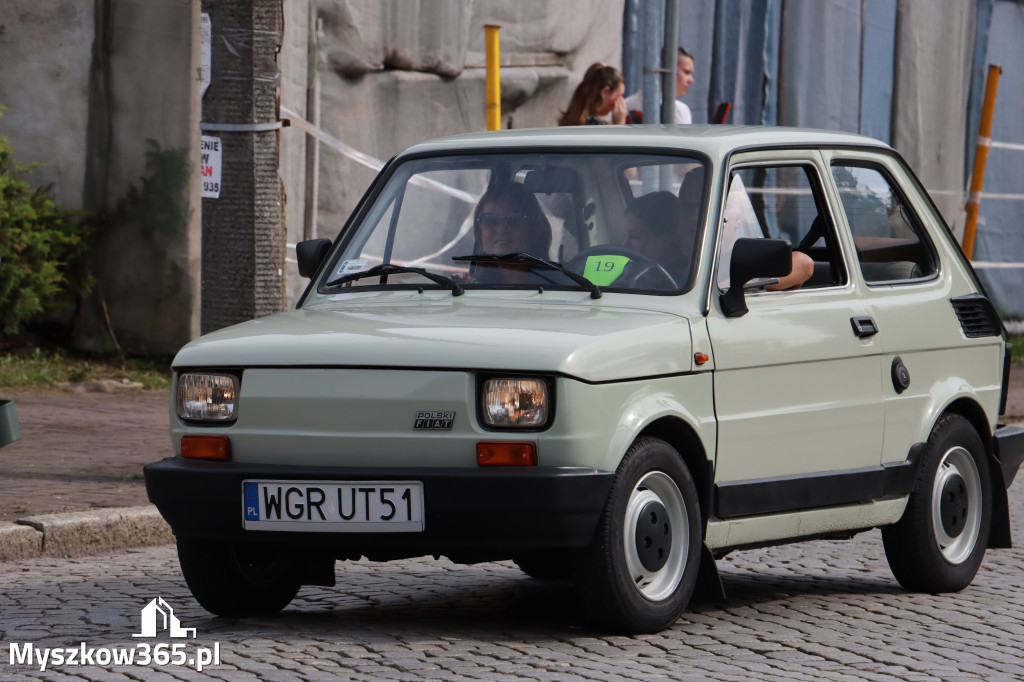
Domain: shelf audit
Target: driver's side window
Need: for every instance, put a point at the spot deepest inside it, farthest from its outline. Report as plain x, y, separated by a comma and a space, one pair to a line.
782, 202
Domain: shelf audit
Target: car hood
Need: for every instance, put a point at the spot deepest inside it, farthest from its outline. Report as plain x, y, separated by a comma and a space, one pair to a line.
592, 343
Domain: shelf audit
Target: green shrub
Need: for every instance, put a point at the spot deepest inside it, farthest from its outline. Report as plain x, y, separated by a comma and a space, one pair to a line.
42, 249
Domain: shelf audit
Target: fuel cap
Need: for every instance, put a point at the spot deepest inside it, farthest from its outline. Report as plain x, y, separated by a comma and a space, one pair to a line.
900, 375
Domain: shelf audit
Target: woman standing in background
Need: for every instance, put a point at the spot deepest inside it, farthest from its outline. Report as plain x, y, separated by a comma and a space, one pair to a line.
598, 94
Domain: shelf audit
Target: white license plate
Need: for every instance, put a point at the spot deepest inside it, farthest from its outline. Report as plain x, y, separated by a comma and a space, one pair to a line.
333, 506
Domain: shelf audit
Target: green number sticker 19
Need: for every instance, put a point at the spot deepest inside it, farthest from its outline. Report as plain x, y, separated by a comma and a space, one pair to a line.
603, 270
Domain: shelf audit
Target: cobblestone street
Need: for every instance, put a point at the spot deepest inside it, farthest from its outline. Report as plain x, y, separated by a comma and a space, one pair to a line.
821, 610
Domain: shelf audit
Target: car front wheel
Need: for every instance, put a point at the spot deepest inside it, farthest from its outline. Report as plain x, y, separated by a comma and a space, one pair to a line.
239, 580
641, 568
938, 544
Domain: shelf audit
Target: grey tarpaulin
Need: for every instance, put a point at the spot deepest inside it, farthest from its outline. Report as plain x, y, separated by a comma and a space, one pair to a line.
903, 71
820, 79
1000, 235
877, 57
932, 87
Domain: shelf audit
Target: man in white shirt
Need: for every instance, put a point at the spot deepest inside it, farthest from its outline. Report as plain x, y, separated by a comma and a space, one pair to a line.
684, 78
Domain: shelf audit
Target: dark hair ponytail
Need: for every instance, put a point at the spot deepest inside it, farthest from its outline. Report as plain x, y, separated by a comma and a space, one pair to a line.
587, 95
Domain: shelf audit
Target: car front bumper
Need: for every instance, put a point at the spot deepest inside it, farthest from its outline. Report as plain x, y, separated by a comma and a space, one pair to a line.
494, 512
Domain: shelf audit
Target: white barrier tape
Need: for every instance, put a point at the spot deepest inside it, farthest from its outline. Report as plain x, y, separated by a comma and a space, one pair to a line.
369, 161
976, 196
1011, 197
1008, 145
991, 265
331, 141
984, 141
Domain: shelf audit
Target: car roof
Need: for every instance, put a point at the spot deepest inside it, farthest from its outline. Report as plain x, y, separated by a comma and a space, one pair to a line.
717, 141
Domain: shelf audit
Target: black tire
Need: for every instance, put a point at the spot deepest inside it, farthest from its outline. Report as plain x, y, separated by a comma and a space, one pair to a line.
545, 565
239, 580
638, 574
938, 544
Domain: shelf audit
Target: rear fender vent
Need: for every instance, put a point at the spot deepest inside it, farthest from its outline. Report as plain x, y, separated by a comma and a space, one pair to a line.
977, 316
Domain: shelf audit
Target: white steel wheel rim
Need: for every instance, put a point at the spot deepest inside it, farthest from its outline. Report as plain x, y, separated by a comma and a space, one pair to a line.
957, 462
658, 584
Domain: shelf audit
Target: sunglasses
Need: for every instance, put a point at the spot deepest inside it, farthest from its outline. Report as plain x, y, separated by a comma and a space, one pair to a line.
492, 221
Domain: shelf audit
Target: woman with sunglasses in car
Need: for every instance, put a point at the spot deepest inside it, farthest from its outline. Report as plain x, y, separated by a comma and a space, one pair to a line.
508, 219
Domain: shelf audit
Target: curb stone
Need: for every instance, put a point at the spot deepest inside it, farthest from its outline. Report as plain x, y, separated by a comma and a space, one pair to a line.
98, 531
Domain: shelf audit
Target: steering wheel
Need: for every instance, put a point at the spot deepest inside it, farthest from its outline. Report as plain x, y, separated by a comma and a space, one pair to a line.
640, 273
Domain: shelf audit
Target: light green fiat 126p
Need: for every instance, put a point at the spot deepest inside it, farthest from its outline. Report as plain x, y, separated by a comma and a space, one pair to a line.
612, 355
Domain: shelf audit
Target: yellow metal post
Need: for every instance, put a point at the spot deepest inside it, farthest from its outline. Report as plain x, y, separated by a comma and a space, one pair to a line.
493, 77
981, 157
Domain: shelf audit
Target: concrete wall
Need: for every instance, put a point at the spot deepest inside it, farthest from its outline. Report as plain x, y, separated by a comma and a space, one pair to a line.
149, 262
46, 50
90, 110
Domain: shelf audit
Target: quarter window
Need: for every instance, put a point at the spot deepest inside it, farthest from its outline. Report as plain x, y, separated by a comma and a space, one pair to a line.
891, 245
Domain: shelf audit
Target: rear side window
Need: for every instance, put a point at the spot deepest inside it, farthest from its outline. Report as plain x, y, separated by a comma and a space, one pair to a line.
891, 244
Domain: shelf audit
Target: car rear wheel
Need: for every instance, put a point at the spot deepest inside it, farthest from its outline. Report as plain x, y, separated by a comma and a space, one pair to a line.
239, 580
641, 568
939, 543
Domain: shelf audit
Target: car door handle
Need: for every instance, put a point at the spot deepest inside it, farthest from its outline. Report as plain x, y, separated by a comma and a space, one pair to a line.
863, 327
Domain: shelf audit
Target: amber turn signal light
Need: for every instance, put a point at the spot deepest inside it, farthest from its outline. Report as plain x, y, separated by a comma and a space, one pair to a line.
506, 454
206, 447
700, 358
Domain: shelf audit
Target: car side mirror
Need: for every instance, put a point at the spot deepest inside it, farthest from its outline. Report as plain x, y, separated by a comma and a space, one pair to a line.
310, 254
752, 259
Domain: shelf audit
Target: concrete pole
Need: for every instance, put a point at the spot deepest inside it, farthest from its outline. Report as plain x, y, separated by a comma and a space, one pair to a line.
243, 242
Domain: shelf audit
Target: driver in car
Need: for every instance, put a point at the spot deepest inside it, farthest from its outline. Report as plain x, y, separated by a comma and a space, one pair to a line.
509, 219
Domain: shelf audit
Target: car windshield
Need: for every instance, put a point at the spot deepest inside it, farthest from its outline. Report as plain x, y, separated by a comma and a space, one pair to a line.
620, 221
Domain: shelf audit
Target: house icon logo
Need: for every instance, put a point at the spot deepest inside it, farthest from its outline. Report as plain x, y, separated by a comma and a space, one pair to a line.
158, 613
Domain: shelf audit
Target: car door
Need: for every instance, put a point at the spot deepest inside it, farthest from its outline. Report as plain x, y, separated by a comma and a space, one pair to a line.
928, 348
797, 390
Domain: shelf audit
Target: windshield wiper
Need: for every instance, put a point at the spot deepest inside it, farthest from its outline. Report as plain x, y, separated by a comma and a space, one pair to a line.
385, 269
520, 258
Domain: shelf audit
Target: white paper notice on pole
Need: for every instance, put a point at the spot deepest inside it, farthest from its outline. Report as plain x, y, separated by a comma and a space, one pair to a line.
209, 167
205, 39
